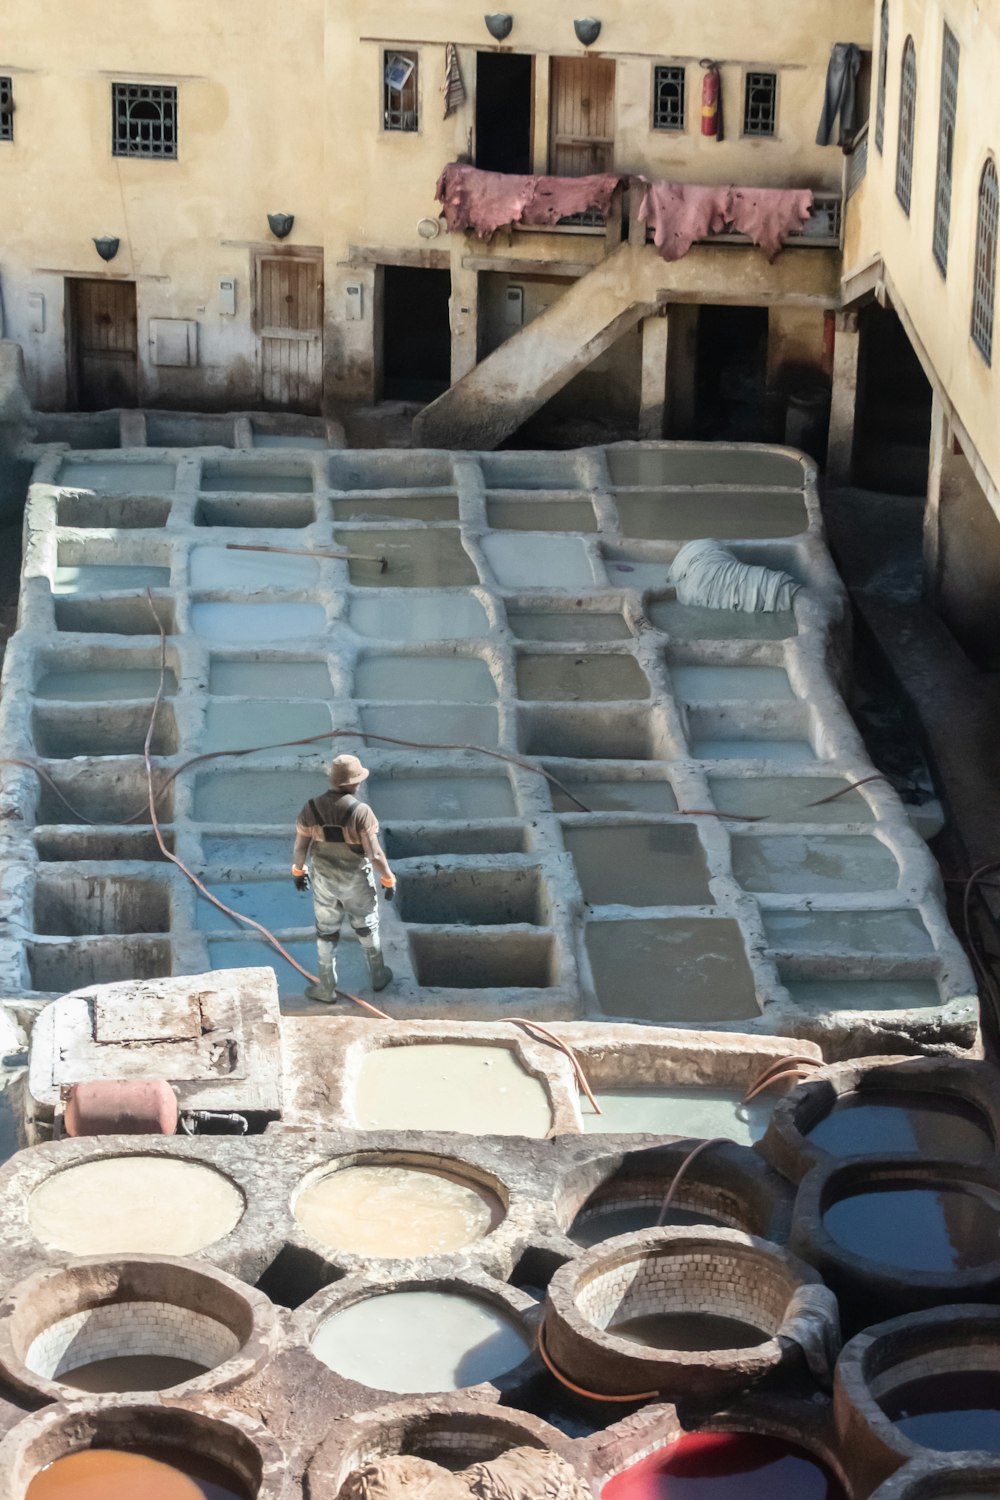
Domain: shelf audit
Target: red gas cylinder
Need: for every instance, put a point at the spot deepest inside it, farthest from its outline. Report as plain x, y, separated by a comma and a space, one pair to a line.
135, 1106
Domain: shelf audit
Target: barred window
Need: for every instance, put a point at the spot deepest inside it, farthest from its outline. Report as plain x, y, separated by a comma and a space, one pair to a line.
144, 120
399, 91
6, 109
668, 98
883, 66
907, 123
984, 291
946, 145
760, 104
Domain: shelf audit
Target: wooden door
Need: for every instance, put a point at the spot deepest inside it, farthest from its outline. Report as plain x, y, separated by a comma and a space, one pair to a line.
581, 115
288, 317
102, 344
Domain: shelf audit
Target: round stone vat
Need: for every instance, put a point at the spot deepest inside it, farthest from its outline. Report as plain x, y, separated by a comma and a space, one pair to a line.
920, 1384
141, 1325
899, 1234
398, 1205
961, 1477
886, 1106
114, 1448
728, 1465
453, 1434
431, 1334
135, 1203
727, 1186
686, 1314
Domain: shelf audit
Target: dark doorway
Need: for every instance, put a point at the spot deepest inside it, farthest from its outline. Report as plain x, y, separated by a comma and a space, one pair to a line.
416, 333
503, 111
101, 344
731, 374
892, 425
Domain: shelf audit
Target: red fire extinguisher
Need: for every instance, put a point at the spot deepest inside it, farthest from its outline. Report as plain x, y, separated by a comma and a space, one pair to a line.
711, 99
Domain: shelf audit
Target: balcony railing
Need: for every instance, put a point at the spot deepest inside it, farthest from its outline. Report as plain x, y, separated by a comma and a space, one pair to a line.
821, 230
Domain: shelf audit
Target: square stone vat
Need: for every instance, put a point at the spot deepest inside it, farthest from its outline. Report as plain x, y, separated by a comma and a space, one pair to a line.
533, 560
259, 623
58, 967
389, 507
612, 794
900, 931
233, 724
124, 478
671, 970
101, 791
508, 514
414, 559
790, 799
690, 622
808, 864
232, 677
575, 677
684, 515
587, 733
475, 898
245, 798
233, 477
70, 845
448, 795
424, 679
99, 616
275, 903
566, 625
432, 725
483, 960
638, 864
705, 464
256, 511
826, 996
409, 842
62, 733
100, 512
74, 905
74, 682
531, 471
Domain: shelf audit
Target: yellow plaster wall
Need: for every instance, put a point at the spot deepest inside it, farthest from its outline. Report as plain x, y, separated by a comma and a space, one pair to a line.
938, 308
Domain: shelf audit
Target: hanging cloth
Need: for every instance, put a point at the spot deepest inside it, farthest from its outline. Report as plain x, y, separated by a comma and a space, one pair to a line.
453, 87
841, 94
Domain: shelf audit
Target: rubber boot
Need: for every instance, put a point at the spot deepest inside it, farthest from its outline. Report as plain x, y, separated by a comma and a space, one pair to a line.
381, 974
326, 989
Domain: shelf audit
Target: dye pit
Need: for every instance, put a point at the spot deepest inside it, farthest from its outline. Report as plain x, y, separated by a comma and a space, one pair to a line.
938, 1228
954, 1412
667, 863
102, 1474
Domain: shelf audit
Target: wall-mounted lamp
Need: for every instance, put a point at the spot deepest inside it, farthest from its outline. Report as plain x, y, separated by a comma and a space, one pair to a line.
499, 25
587, 31
106, 246
281, 225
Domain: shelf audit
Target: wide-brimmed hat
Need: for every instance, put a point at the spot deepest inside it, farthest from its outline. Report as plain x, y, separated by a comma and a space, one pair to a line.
347, 770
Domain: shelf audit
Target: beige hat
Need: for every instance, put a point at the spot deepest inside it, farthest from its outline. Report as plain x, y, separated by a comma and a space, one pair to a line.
347, 770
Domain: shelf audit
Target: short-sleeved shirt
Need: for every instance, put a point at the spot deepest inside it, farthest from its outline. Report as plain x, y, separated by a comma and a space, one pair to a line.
360, 822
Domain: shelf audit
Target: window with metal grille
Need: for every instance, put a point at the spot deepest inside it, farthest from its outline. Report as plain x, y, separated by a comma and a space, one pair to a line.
946, 145
760, 104
399, 91
883, 66
144, 120
668, 98
907, 122
984, 289
6, 109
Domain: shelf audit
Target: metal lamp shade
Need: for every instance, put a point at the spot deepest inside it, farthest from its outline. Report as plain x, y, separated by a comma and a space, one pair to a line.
499, 25
281, 225
106, 246
587, 30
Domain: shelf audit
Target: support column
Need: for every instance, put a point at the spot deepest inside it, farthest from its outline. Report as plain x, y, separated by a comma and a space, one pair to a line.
940, 440
653, 395
843, 401
463, 313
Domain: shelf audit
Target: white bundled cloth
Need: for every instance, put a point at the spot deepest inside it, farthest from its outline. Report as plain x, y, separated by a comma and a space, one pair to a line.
707, 574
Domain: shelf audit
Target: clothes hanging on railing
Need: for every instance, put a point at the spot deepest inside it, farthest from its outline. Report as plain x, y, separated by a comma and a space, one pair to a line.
487, 201
681, 213
841, 94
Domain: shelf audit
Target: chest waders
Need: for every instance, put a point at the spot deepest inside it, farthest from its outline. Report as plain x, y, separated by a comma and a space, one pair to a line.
343, 885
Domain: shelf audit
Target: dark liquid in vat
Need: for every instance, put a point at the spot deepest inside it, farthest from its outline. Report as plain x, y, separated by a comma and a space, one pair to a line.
725, 1466
688, 1331
932, 1228
956, 1411
594, 1225
883, 1122
135, 1474
132, 1372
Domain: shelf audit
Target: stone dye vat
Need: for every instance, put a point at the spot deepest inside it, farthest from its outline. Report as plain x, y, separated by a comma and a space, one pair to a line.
480, 607
435, 1339
109, 1474
450, 1086
726, 1466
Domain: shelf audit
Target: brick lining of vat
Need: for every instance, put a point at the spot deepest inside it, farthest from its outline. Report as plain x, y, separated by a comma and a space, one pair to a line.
126, 1328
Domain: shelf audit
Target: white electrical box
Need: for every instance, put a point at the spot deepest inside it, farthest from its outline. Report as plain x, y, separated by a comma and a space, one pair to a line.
227, 296
36, 312
173, 341
354, 301
514, 306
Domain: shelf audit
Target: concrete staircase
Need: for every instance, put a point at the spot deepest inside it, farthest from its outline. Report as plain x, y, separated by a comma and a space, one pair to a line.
506, 388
